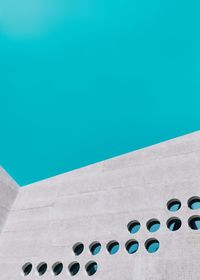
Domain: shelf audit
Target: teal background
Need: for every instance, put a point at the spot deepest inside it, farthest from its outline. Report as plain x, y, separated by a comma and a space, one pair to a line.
83, 81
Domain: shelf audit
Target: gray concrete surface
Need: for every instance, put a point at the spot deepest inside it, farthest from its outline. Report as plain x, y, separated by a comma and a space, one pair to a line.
96, 203
9, 190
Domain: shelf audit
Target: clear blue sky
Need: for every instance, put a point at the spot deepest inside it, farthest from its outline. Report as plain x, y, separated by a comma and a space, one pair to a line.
82, 81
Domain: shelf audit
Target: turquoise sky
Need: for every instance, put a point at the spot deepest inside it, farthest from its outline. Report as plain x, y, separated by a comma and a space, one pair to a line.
82, 81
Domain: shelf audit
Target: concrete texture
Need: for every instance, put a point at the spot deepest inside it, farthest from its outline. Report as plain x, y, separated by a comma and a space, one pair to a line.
96, 203
9, 190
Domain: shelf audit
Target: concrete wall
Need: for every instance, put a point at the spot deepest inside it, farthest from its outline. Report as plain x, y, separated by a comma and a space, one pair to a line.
8, 193
96, 203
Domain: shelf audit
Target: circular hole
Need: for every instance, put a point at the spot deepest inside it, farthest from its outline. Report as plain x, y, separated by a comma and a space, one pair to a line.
174, 205
27, 268
78, 248
132, 246
91, 268
57, 268
74, 268
95, 248
194, 203
152, 245
174, 224
113, 247
133, 226
41, 268
153, 225
194, 222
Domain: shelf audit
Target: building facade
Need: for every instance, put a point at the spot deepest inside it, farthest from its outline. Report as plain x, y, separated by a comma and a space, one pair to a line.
133, 217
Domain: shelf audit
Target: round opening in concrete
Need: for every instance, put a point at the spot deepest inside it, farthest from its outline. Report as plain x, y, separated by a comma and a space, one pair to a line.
78, 248
57, 268
91, 268
153, 225
133, 226
132, 246
113, 247
152, 245
95, 248
27, 268
194, 203
174, 205
174, 223
41, 268
194, 222
74, 268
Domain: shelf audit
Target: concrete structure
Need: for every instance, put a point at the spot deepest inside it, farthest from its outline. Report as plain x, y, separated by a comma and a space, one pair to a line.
41, 224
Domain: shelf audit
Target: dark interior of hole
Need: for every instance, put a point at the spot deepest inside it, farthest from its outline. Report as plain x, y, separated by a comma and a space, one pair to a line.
27, 269
130, 244
42, 269
152, 223
150, 243
92, 268
174, 205
194, 223
58, 268
193, 201
110, 247
176, 224
133, 225
74, 269
78, 249
95, 246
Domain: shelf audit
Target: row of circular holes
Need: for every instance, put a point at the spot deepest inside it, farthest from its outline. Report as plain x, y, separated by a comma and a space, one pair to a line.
113, 247
57, 268
151, 245
175, 204
173, 224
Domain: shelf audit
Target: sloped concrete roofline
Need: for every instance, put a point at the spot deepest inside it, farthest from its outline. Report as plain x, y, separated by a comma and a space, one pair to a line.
143, 154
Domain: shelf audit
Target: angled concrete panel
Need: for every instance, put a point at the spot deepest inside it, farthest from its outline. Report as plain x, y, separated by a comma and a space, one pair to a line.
8, 193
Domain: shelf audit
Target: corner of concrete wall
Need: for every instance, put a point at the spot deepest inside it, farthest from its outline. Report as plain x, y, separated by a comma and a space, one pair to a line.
8, 193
